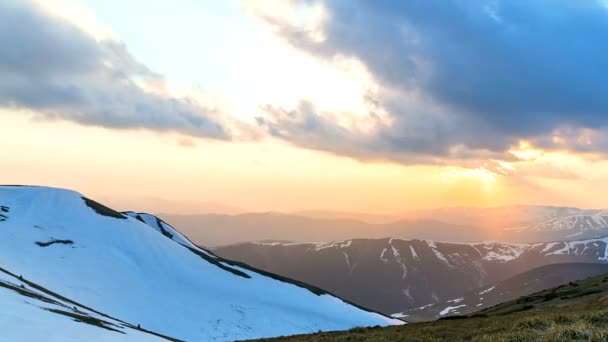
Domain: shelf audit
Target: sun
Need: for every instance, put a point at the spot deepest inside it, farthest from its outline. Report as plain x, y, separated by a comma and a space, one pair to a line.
481, 174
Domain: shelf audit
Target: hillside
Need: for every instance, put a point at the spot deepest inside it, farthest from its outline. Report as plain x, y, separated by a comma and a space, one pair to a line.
571, 312
143, 272
523, 284
396, 275
33, 313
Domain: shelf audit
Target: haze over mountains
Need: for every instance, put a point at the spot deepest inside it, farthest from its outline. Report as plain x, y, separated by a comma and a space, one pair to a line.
520, 224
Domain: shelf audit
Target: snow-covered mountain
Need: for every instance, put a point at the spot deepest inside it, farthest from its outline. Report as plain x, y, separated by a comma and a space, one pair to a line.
134, 270
571, 224
395, 275
523, 223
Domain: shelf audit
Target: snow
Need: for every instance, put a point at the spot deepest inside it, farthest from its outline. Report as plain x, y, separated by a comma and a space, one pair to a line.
397, 257
549, 246
579, 221
162, 227
336, 244
125, 268
439, 256
29, 318
351, 268
406, 293
605, 257
399, 315
423, 307
575, 234
563, 250
414, 254
498, 251
487, 290
457, 300
382, 257
449, 309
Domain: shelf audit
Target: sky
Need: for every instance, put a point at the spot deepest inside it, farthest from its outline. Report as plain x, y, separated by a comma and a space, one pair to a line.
286, 105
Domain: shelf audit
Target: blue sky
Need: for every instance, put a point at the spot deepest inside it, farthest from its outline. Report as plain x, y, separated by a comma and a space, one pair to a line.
195, 44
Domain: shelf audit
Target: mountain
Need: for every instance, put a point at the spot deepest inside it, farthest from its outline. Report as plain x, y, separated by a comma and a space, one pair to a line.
350, 215
134, 270
570, 312
214, 230
571, 224
523, 223
523, 284
395, 275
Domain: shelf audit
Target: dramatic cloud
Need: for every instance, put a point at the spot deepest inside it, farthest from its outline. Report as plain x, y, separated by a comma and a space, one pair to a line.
53, 67
460, 79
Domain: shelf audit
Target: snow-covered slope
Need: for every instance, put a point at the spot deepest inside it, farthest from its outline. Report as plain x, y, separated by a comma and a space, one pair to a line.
32, 313
127, 268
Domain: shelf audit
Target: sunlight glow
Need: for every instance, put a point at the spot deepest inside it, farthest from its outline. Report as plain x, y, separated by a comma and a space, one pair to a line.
525, 151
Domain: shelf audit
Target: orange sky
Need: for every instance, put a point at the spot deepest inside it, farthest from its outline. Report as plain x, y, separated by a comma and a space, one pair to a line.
170, 163
136, 169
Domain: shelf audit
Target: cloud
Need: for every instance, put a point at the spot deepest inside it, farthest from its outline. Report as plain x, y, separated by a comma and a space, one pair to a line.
460, 79
55, 68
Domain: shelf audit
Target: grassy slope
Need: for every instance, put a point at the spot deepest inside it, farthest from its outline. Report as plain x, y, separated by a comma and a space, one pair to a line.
577, 311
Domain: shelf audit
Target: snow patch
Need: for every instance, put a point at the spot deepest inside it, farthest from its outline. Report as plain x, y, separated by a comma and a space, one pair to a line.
450, 309
487, 290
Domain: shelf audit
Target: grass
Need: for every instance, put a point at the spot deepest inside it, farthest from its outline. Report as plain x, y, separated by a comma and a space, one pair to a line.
573, 312
102, 209
539, 326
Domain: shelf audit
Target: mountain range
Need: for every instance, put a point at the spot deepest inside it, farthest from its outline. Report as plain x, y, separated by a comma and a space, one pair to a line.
396, 275
516, 224
72, 268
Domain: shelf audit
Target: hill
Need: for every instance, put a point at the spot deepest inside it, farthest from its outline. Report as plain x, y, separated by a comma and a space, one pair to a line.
526, 283
571, 312
139, 270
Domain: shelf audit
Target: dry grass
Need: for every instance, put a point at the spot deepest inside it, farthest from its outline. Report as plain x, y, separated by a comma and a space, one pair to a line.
573, 312
575, 325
